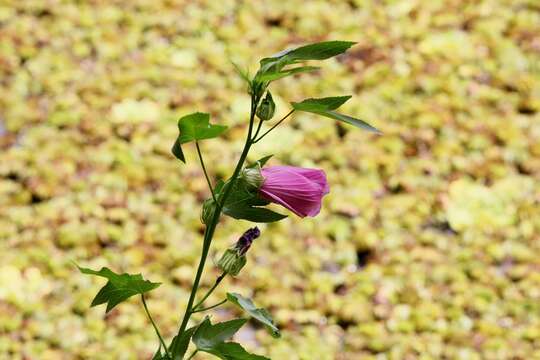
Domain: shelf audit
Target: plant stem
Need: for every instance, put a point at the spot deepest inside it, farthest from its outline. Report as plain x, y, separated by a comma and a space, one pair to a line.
211, 227
188, 312
204, 170
192, 354
195, 310
218, 280
258, 129
272, 128
155, 327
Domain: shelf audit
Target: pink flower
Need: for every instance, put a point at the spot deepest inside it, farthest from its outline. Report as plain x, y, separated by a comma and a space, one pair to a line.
298, 189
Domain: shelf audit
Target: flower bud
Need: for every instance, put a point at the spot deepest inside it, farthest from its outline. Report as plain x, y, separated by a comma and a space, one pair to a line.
234, 258
253, 176
231, 262
208, 209
266, 108
300, 190
244, 243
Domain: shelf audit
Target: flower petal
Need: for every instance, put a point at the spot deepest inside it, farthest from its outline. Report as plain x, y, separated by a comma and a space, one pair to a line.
317, 176
299, 190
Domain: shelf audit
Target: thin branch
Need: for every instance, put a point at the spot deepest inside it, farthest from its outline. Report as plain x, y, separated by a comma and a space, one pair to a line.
192, 354
272, 128
155, 326
210, 307
258, 129
218, 280
204, 170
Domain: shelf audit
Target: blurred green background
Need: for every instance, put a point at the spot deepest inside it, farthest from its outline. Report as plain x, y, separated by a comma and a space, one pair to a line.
427, 246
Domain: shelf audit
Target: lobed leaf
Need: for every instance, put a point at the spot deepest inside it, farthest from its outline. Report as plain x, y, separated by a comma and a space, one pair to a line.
259, 314
197, 126
180, 344
208, 336
192, 127
233, 351
119, 287
177, 151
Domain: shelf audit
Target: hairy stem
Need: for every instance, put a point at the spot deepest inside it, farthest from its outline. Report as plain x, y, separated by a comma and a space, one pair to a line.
155, 326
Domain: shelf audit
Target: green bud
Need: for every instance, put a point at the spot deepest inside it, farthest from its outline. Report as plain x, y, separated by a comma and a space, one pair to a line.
253, 176
209, 206
266, 108
231, 262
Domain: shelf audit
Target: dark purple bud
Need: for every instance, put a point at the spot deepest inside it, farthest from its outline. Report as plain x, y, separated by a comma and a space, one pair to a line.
244, 242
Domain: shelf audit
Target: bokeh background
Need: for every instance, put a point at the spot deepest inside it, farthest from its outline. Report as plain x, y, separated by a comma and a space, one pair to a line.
427, 246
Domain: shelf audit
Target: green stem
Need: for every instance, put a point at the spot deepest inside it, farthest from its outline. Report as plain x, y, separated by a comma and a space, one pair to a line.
209, 307
218, 280
273, 127
211, 227
258, 130
204, 170
155, 327
192, 354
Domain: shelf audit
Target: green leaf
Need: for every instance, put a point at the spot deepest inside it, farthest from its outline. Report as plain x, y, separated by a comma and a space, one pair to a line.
275, 75
158, 355
325, 107
233, 351
319, 51
272, 68
119, 287
261, 162
349, 120
207, 336
245, 205
197, 126
179, 345
244, 74
258, 313
219, 186
321, 104
315, 51
177, 151
254, 214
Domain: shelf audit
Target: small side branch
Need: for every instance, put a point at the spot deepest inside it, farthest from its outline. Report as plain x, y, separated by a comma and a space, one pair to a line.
218, 280
155, 327
273, 127
204, 170
209, 307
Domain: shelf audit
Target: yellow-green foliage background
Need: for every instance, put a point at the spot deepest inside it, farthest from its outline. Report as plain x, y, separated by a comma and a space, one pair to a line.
427, 247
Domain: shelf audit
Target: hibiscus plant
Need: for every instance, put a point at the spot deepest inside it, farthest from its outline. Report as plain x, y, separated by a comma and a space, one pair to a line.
244, 196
